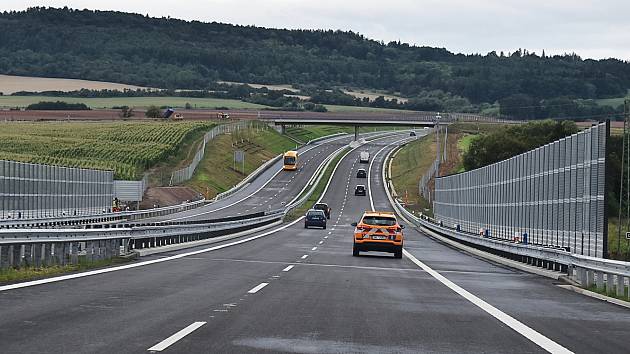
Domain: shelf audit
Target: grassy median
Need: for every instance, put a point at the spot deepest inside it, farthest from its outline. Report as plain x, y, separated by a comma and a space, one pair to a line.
319, 189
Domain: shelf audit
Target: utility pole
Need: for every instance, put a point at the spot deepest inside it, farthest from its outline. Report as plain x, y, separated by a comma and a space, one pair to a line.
625, 144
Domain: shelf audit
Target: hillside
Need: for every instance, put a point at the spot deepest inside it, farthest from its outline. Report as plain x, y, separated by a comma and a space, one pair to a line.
170, 53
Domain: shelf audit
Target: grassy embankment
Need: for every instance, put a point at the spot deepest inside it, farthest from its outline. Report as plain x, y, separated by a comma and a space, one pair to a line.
217, 173
127, 148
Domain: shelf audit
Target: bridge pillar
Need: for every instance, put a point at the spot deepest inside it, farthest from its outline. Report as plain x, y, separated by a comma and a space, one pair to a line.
356, 132
283, 129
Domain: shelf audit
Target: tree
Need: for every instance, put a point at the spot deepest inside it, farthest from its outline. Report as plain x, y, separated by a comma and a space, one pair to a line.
153, 112
126, 112
188, 105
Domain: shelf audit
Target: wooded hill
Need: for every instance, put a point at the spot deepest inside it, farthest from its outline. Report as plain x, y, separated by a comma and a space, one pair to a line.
170, 53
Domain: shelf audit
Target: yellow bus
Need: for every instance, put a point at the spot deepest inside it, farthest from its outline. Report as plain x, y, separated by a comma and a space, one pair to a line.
290, 161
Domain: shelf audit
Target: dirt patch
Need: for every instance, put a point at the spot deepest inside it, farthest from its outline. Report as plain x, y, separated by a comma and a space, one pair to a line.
166, 196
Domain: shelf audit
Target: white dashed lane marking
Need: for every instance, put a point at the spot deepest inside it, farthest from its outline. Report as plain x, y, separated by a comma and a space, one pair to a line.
257, 288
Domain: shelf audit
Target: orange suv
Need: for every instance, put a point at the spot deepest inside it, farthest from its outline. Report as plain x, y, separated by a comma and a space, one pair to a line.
378, 231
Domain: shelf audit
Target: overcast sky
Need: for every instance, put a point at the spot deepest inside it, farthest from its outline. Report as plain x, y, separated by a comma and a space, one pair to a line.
592, 29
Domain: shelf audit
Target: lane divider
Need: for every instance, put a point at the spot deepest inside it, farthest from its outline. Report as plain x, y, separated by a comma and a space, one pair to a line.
176, 337
257, 288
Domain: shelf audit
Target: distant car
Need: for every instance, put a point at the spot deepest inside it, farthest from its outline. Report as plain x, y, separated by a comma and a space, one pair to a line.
361, 173
360, 190
323, 207
364, 157
315, 218
412, 133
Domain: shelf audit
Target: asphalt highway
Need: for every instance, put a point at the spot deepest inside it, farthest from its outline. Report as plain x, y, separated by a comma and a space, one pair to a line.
272, 190
300, 290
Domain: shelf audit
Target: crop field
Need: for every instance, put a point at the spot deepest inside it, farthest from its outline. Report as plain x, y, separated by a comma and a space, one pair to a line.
96, 103
10, 84
127, 148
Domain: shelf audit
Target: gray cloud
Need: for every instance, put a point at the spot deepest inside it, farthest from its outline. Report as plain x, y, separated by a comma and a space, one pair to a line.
593, 29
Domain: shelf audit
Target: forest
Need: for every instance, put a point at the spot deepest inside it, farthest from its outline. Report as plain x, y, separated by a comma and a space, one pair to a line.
171, 53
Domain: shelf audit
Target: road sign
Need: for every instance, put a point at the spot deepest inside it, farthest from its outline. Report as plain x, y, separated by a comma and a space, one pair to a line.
239, 155
628, 235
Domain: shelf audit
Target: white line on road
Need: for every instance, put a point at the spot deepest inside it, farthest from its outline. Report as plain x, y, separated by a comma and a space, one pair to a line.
175, 337
255, 289
288, 268
305, 256
314, 248
520, 328
320, 242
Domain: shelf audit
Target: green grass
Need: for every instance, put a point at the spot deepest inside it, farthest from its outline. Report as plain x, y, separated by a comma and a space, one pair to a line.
12, 275
463, 144
409, 165
127, 148
615, 252
613, 102
210, 103
216, 173
610, 292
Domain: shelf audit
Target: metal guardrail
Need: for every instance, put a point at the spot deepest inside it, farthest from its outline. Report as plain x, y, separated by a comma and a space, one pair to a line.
102, 218
611, 275
35, 247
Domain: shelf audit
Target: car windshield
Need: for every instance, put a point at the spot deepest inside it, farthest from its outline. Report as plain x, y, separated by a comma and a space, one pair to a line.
289, 160
360, 188
320, 206
314, 214
379, 220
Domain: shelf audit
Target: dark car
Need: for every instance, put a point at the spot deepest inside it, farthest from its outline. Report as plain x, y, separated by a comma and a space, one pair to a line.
361, 173
315, 218
412, 133
360, 190
323, 207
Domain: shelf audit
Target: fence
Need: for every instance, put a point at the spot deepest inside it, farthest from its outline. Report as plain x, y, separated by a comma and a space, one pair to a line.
40, 191
187, 172
551, 196
423, 185
131, 191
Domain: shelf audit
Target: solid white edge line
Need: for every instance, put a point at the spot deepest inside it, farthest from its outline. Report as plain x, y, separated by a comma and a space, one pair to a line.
520, 328
288, 268
140, 264
257, 288
176, 337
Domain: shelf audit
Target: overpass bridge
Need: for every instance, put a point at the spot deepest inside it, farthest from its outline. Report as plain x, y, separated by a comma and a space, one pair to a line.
359, 119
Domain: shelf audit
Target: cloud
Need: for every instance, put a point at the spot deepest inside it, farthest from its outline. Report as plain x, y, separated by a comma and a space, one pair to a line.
593, 29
